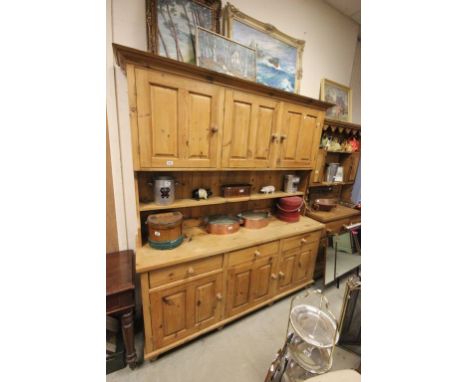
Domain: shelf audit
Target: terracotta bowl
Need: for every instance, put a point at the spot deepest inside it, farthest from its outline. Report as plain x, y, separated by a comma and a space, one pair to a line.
325, 204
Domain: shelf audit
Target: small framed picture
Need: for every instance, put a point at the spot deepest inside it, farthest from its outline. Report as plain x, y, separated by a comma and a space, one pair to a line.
340, 95
224, 55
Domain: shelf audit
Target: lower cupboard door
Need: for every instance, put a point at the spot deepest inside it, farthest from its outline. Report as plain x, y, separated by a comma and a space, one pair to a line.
303, 267
262, 283
208, 301
183, 310
238, 289
170, 317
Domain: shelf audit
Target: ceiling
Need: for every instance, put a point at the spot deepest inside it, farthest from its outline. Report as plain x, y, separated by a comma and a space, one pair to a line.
350, 8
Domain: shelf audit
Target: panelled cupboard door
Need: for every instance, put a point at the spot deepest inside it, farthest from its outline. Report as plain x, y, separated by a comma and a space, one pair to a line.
179, 120
180, 311
238, 289
301, 129
286, 270
250, 124
249, 284
208, 298
262, 283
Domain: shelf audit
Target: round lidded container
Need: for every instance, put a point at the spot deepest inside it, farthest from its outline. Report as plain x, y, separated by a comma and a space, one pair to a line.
291, 202
289, 208
165, 230
164, 190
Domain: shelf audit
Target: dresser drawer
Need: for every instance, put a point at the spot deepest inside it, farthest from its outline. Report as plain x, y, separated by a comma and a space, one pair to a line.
336, 226
252, 253
304, 241
185, 270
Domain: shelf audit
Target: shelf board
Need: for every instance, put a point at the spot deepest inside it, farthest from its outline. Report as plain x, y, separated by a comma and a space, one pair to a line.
340, 152
184, 203
329, 184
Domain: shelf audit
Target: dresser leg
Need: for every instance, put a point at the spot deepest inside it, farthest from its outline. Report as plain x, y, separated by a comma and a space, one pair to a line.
127, 331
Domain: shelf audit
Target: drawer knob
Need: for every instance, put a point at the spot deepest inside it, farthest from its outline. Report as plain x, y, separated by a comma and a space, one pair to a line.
303, 240
214, 129
274, 276
257, 253
283, 137
190, 271
219, 296
281, 275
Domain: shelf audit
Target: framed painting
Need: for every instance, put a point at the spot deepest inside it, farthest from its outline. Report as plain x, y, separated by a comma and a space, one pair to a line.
223, 55
171, 26
338, 94
279, 56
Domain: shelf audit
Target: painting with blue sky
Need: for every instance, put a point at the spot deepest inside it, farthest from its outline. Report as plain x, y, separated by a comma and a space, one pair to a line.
276, 60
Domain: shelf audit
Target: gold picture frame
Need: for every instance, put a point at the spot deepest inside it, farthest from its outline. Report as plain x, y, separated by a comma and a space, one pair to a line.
274, 65
341, 96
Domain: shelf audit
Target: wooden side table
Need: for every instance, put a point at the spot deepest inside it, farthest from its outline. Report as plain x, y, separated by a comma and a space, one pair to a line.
120, 296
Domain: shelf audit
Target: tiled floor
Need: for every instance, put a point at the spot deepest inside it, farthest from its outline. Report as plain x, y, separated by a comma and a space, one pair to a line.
242, 351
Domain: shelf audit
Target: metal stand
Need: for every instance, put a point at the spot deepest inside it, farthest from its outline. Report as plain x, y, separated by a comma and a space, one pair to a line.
311, 336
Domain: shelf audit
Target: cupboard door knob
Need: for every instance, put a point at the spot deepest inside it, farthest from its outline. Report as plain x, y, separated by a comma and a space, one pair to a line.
274, 137
257, 253
274, 277
281, 275
303, 241
214, 129
219, 296
283, 137
190, 271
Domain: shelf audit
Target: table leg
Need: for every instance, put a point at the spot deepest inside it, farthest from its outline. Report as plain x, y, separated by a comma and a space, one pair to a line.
127, 331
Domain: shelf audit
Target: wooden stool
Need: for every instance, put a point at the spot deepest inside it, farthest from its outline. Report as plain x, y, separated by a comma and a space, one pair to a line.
120, 296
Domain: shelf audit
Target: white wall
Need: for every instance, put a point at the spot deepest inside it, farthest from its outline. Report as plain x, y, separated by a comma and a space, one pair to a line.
329, 53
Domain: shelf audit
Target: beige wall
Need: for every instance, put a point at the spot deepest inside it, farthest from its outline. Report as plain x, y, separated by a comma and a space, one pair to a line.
356, 85
329, 52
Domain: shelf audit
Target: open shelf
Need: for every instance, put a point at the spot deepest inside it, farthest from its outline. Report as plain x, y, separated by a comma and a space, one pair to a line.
329, 184
200, 244
184, 203
340, 152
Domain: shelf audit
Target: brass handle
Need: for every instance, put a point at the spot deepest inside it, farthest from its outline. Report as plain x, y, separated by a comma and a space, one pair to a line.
214, 129
274, 277
281, 274
219, 296
190, 271
257, 253
303, 241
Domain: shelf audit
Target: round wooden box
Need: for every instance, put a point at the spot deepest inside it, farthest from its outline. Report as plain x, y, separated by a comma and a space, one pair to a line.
165, 230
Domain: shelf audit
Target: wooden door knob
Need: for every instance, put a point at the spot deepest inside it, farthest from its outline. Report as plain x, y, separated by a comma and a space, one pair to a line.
190, 271
214, 129
257, 253
274, 276
283, 137
281, 275
219, 296
274, 137
303, 240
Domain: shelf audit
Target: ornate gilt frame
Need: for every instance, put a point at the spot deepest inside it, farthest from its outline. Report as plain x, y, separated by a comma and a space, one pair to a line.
152, 20
344, 87
231, 13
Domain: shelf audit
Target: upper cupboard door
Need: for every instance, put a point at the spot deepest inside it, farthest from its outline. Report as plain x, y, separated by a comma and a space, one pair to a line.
249, 128
179, 120
301, 129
